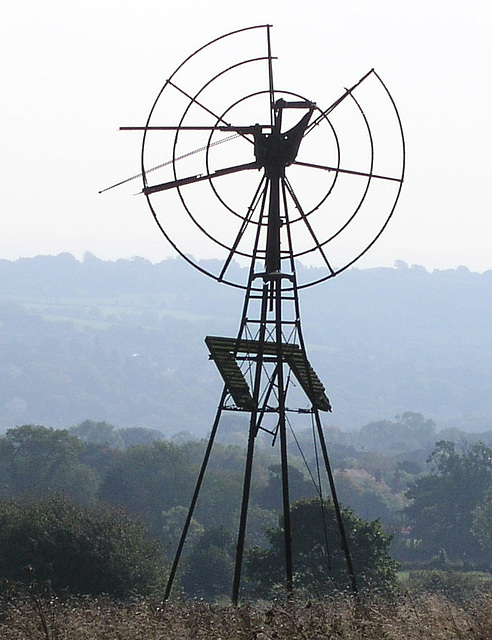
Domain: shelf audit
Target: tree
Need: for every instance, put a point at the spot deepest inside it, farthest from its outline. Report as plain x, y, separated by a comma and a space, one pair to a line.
133, 436
37, 460
318, 560
210, 565
270, 496
172, 527
147, 481
444, 501
104, 433
220, 498
482, 524
408, 432
98, 433
366, 497
416, 425
82, 550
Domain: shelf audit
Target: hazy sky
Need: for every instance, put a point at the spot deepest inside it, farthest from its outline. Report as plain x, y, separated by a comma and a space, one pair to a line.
73, 72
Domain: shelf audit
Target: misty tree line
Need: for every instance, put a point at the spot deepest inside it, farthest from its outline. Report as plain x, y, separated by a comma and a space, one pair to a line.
116, 499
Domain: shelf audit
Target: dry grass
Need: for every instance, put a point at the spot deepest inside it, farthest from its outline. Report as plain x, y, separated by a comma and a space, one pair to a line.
428, 617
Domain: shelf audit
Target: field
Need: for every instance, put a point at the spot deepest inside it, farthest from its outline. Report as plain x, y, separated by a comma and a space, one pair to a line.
409, 617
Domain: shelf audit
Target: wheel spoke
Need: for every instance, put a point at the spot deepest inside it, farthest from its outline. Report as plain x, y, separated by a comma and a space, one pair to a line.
349, 171
199, 178
271, 88
197, 102
239, 129
333, 106
244, 225
194, 99
308, 225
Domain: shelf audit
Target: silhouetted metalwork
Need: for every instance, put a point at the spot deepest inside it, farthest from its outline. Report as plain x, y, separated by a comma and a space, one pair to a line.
290, 186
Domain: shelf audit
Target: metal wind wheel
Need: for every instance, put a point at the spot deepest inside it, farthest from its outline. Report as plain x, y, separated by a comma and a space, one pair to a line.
217, 152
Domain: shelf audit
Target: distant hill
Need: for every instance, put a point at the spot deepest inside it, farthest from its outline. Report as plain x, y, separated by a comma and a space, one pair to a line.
123, 342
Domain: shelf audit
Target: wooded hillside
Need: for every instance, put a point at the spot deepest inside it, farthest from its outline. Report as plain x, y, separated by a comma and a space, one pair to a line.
123, 342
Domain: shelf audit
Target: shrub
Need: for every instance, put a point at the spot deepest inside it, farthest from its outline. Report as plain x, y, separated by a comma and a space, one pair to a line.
454, 585
80, 550
318, 561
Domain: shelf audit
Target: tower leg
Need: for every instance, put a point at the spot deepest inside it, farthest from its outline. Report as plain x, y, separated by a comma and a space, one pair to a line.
244, 510
253, 430
283, 442
286, 508
194, 499
336, 504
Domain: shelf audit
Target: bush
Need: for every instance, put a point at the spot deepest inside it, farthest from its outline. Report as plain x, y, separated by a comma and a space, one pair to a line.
454, 585
318, 561
80, 550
